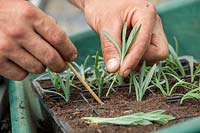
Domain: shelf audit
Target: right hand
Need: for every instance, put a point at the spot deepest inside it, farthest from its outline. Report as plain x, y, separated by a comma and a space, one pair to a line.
30, 41
110, 15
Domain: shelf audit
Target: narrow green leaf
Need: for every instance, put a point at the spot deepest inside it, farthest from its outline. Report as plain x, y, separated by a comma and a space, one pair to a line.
177, 45
191, 64
195, 73
193, 94
112, 41
176, 60
123, 42
55, 79
132, 37
166, 84
140, 118
96, 64
148, 78
130, 82
86, 61
111, 85
66, 85
170, 70
137, 88
142, 73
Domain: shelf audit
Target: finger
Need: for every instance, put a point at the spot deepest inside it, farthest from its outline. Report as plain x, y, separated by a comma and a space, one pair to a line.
137, 68
110, 52
11, 71
47, 27
140, 45
25, 60
44, 52
151, 63
158, 48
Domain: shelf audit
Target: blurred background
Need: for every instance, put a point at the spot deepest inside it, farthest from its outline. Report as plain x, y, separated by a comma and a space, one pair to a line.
67, 15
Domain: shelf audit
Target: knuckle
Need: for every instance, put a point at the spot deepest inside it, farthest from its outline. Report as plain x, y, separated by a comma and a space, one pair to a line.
145, 39
20, 76
59, 37
163, 54
159, 20
28, 11
5, 47
16, 32
52, 20
70, 55
60, 69
151, 8
39, 69
51, 59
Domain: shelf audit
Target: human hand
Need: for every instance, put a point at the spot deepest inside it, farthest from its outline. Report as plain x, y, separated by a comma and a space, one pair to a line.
110, 15
30, 41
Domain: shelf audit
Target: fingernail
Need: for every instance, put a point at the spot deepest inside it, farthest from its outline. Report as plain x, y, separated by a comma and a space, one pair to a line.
112, 64
127, 72
74, 57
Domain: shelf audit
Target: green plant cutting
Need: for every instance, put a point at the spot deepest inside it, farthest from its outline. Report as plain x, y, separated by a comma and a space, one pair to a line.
126, 45
193, 72
99, 77
66, 84
162, 82
141, 118
173, 59
141, 83
55, 79
193, 94
61, 83
149, 77
157, 76
83, 68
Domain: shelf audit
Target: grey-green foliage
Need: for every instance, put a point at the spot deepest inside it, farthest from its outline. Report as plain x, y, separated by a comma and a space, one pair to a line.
126, 45
83, 68
173, 59
161, 81
61, 83
193, 72
66, 83
55, 79
141, 83
140, 118
193, 94
99, 75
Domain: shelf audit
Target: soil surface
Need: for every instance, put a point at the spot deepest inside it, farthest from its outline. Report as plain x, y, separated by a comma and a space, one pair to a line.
117, 104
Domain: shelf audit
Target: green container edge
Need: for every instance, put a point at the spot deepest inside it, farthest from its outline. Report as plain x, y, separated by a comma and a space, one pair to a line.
19, 111
19, 108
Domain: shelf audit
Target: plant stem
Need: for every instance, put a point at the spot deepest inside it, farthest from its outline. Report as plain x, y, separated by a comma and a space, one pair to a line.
84, 83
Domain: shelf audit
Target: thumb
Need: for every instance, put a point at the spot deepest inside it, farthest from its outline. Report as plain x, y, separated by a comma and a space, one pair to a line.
109, 50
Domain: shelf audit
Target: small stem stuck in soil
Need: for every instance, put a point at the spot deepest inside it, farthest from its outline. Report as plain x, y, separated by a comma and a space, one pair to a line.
84, 83
89, 104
